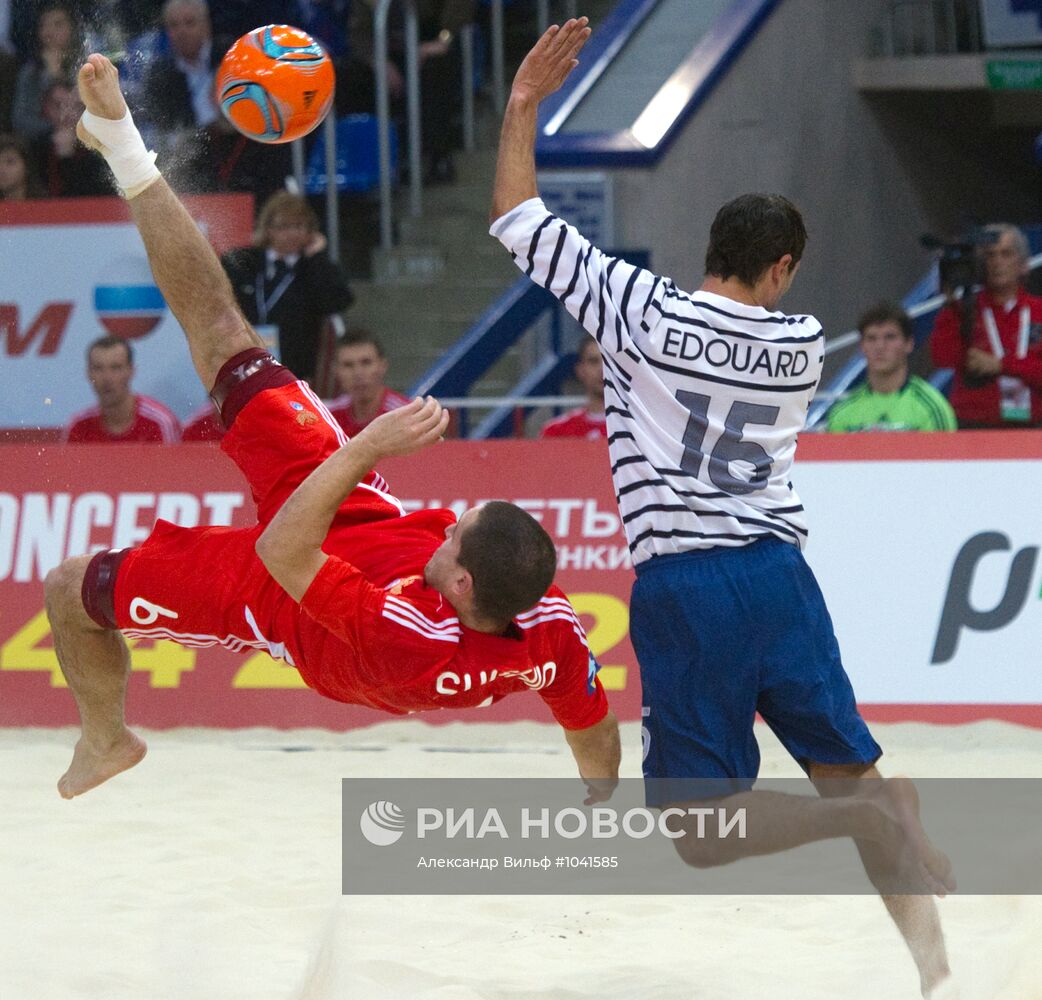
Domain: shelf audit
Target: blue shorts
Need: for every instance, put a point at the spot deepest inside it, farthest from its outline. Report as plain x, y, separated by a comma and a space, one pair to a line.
721, 634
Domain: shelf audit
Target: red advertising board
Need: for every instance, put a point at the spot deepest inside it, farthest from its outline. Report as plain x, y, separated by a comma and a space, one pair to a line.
58, 501
226, 218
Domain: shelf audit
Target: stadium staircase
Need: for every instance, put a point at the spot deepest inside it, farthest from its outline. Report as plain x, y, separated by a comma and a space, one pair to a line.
445, 270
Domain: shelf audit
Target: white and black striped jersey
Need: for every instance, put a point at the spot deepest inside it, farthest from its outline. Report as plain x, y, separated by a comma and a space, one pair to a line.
705, 395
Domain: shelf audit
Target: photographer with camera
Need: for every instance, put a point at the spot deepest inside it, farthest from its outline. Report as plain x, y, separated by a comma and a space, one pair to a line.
992, 336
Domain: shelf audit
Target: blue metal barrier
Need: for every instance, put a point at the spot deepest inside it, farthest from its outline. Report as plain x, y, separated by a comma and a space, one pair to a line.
497, 329
645, 141
494, 332
357, 156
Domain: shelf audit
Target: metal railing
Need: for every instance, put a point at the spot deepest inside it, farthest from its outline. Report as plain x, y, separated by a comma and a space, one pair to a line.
520, 402
412, 93
466, 42
518, 407
297, 149
930, 27
383, 113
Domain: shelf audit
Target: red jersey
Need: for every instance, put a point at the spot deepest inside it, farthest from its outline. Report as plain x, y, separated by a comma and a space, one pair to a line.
203, 425
580, 423
1019, 335
369, 631
153, 423
341, 410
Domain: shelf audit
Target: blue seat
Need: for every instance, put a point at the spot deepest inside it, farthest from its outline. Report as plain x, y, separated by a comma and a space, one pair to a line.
357, 156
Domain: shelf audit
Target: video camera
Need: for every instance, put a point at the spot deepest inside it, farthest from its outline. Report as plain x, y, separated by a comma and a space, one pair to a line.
960, 269
959, 264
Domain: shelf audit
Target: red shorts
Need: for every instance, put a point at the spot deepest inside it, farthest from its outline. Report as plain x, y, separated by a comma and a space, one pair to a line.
281, 436
187, 581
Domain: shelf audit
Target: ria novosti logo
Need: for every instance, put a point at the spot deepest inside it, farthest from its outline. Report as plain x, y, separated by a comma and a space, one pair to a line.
382, 823
958, 611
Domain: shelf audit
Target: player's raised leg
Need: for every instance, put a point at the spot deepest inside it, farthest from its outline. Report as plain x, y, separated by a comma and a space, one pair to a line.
96, 664
185, 267
916, 917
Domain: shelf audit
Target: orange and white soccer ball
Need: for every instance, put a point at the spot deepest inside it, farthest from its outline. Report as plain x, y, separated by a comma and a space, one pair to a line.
275, 84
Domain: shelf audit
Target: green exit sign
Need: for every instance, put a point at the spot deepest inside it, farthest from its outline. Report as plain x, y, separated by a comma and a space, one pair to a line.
1015, 74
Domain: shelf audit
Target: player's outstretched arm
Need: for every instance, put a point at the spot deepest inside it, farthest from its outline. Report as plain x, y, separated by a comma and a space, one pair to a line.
597, 750
605, 294
291, 545
544, 70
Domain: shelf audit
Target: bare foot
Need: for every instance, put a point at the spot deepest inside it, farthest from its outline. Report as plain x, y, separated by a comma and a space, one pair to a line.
918, 865
99, 88
98, 83
945, 990
90, 767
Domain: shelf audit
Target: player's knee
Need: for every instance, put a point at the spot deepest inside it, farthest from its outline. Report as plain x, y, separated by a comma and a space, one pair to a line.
228, 335
62, 587
707, 851
233, 333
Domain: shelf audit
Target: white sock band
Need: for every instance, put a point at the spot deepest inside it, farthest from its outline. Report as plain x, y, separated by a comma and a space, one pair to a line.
124, 150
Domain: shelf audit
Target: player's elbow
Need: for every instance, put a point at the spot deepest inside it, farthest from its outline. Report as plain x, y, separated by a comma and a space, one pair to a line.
292, 565
270, 551
598, 748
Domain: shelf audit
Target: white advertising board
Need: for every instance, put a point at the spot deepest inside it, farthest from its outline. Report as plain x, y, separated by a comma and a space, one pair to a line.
74, 271
932, 574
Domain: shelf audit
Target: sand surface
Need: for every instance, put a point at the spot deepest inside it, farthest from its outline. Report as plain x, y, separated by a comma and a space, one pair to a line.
212, 870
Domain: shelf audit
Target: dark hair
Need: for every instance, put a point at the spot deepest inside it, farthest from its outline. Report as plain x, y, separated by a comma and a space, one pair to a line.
751, 233
886, 312
16, 144
510, 558
359, 336
585, 344
110, 341
75, 50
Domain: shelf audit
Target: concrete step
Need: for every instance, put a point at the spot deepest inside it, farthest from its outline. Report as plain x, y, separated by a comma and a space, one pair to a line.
445, 269
456, 296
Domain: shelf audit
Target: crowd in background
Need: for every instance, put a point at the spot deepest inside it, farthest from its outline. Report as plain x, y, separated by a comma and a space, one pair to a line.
168, 51
989, 336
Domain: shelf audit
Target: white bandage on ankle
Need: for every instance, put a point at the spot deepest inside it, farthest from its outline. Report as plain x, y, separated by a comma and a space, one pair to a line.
124, 150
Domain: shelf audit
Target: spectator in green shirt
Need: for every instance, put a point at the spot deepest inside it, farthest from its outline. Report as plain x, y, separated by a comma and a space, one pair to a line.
890, 399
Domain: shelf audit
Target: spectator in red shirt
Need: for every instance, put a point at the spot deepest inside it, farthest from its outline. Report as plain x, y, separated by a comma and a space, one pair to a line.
203, 425
586, 421
998, 373
121, 415
361, 367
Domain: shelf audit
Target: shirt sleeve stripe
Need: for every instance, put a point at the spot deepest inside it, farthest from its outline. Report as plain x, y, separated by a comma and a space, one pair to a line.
535, 243
405, 608
426, 633
552, 273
